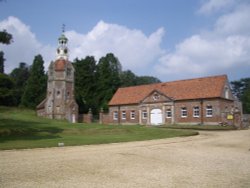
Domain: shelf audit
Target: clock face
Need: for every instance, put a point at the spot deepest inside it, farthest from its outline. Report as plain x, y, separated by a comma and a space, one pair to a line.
156, 97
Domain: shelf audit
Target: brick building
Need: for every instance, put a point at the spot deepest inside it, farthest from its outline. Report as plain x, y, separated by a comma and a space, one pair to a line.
60, 101
206, 100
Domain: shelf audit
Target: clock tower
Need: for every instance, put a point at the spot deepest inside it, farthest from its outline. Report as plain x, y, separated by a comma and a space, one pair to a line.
60, 100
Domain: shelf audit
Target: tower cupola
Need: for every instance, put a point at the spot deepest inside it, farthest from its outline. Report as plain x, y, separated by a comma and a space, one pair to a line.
62, 50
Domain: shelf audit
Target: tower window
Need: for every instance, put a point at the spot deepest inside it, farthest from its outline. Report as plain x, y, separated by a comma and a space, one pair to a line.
58, 93
68, 72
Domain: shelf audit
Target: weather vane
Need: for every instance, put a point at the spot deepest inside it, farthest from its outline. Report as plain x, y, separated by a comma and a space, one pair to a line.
63, 28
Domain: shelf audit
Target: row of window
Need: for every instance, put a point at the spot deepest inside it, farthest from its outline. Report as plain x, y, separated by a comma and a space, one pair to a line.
184, 113
196, 111
124, 116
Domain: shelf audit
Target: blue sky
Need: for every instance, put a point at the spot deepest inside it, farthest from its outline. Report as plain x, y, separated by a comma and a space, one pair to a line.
168, 39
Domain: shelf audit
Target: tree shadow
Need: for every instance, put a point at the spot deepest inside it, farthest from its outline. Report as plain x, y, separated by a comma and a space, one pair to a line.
26, 130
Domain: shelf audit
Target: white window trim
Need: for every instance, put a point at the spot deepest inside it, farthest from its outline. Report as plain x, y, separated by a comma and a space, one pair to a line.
207, 110
195, 110
132, 113
167, 111
143, 115
182, 109
124, 115
115, 115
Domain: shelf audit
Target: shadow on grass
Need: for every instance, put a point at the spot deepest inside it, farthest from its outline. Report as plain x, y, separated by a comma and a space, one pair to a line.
26, 130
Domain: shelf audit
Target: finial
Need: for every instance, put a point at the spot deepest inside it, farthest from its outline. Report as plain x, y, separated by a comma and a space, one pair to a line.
63, 28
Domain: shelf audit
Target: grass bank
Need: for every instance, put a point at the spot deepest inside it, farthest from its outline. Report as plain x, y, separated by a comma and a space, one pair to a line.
21, 128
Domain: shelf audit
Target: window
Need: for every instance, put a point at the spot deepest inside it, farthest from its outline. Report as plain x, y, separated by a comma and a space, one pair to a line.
68, 72
115, 115
68, 94
123, 114
209, 111
183, 112
144, 114
132, 114
58, 93
196, 111
168, 113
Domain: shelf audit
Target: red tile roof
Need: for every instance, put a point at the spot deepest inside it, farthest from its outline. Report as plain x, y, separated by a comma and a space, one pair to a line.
199, 88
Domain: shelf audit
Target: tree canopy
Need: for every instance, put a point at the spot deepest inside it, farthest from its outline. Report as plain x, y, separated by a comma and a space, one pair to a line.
241, 89
5, 37
95, 82
35, 89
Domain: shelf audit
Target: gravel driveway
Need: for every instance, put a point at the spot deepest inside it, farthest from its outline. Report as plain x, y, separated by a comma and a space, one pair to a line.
211, 159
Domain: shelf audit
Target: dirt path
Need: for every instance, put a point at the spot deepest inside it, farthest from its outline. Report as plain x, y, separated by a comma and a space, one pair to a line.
212, 159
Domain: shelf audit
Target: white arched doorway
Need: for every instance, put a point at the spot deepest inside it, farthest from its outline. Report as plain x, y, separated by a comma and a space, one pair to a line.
156, 117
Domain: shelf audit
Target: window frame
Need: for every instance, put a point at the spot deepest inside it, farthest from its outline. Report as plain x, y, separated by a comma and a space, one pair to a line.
143, 114
132, 114
209, 111
124, 115
115, 115
184, 109
196, 111
168, 113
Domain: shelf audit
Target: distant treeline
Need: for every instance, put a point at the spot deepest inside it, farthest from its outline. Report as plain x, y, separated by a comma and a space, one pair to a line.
95, 82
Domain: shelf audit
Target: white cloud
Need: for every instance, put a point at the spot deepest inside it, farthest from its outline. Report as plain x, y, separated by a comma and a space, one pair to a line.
236, 22
25, 45
223, 50
212, 6
134, 49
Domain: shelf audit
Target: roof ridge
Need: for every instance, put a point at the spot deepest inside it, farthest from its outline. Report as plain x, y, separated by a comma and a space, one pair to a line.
189, 79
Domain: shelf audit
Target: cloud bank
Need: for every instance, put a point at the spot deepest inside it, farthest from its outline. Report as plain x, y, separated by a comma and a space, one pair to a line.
225, 49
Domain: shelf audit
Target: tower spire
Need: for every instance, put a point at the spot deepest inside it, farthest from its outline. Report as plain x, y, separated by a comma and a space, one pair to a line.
63, 28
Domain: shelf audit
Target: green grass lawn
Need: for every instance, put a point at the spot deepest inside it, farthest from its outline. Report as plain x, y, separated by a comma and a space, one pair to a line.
21, 128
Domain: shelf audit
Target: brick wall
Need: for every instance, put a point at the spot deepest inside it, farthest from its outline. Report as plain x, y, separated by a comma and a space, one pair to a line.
218, 107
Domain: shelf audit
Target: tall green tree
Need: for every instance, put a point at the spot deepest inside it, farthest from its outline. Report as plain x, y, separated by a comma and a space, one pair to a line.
5, 38
142, 80
20, 76
128, 78
2, 62
85, 84
241, 89
35, 89
6, 90
108, 78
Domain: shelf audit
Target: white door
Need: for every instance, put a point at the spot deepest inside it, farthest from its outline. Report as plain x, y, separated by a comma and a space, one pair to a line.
156, 116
